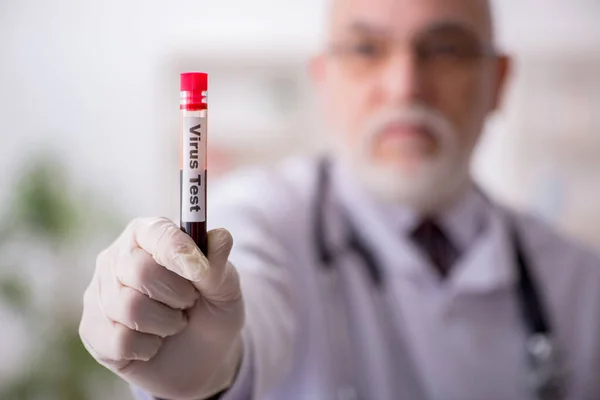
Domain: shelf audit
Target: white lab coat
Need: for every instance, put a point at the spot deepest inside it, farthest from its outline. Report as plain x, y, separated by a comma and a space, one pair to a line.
415, 340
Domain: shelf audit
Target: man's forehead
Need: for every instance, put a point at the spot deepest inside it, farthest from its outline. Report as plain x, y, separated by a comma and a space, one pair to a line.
407, 17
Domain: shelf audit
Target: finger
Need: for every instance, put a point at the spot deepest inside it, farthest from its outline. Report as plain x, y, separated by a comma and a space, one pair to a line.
226, 289
112, 344
220, 243
138, 270
170, 247
137, 311
132, 345
221, 283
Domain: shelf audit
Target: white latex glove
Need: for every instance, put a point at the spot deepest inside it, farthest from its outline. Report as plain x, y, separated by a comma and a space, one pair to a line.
162, 315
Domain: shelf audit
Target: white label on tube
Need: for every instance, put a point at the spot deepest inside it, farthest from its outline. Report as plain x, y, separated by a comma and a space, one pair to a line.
193, 174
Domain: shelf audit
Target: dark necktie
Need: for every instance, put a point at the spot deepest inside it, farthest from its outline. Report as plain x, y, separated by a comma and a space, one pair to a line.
435, 244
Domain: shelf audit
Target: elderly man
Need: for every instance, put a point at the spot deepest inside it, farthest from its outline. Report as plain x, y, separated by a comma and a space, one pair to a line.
378, 272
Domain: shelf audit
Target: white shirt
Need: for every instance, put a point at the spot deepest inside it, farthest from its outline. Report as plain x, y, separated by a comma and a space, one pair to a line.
462, 338
463, 220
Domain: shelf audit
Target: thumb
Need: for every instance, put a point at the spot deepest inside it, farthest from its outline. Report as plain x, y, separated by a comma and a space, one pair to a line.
220, 281
220, 243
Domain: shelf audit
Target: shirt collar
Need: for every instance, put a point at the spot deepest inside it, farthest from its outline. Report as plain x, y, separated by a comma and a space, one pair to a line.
473, 222
463, 220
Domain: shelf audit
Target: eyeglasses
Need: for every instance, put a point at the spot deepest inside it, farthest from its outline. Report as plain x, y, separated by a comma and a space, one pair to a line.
437, 55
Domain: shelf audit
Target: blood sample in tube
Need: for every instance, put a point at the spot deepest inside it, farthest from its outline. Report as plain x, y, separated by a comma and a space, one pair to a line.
193, 171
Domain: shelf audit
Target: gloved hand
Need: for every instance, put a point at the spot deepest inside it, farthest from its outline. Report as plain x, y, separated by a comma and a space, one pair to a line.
162, 315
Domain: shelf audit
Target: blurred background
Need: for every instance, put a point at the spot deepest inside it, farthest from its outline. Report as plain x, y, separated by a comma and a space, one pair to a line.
89, 139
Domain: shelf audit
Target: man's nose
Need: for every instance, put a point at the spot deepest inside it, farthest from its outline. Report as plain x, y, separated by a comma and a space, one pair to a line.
401, 80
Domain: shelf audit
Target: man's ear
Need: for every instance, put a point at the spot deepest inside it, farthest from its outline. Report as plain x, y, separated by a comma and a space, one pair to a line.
503, 70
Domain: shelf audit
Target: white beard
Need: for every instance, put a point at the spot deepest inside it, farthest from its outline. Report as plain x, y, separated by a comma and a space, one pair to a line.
426, 187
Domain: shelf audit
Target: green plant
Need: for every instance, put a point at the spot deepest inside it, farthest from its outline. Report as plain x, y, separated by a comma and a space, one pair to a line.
45, 213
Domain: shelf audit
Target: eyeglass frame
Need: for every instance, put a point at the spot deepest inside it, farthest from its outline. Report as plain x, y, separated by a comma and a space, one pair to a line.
482, 51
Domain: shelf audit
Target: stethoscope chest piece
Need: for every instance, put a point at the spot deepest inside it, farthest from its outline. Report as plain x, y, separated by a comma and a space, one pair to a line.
544, 374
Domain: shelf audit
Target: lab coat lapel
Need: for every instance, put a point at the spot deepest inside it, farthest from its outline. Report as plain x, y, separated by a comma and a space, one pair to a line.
383, 363
358, 365
365, 358
323, 358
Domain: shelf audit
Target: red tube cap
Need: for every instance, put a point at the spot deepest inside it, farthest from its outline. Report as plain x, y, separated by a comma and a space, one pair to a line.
194, 88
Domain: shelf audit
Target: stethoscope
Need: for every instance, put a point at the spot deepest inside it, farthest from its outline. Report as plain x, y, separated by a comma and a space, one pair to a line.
545, 375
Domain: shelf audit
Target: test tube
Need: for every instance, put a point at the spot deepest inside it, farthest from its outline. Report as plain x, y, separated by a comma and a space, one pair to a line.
193, 107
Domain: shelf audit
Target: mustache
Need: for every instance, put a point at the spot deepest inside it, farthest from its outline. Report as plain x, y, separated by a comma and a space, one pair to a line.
430, 119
